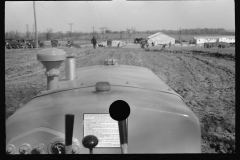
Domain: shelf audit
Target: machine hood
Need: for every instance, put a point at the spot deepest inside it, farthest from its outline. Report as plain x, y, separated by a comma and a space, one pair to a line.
159, 120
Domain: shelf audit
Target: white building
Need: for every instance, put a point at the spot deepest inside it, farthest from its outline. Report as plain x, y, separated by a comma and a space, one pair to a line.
199, 40
226, 39
160, 38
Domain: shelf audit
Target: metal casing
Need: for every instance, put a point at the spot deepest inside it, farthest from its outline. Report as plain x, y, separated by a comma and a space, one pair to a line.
159, 122
51, 59
51, 54
70, 68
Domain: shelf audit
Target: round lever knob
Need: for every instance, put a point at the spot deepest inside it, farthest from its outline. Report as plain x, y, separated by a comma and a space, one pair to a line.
90, 142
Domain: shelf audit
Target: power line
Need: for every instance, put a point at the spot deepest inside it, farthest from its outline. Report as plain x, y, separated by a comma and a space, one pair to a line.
58, 16
53, 13
75, 15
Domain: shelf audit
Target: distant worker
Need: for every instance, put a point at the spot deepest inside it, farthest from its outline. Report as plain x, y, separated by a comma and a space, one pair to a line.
169, 44
163, 47
152, 44
142, 43
94, 42
147, 45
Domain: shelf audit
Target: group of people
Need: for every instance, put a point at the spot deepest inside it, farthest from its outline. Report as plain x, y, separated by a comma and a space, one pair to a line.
144, 44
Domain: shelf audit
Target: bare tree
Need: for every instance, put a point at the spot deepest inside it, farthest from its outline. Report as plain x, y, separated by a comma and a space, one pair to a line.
129, 33
77, 35
48, 33
68, 35
28, 33
41, 36
59, 35
11, 34
17, 35
121, 33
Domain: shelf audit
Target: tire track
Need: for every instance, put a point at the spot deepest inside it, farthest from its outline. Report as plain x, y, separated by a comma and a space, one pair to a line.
206, 83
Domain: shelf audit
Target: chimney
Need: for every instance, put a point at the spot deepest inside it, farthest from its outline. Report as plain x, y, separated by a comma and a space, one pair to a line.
51, 58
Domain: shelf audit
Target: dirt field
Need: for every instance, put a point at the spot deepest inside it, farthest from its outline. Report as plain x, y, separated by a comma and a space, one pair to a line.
205, 80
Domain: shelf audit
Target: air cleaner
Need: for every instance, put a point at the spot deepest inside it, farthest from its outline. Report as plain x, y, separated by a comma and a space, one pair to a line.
51, 58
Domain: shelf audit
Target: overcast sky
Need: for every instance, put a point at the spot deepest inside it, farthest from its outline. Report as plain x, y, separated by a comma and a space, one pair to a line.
120, 15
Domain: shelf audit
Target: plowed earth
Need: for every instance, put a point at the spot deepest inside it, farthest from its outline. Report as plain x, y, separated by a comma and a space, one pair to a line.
205, 80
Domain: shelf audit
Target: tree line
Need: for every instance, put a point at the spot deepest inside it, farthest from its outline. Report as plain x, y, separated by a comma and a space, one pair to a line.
49, 33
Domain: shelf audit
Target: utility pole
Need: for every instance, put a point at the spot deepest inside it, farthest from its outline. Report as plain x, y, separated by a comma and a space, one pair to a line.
103, 28
27, 33
33, 29
102, 31
36, 36
71, 29
180, 36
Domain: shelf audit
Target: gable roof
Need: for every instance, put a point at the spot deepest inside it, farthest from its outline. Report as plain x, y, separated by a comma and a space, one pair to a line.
154, 35
157, 34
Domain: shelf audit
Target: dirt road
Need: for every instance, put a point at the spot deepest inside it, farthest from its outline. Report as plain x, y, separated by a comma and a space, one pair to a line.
207, 84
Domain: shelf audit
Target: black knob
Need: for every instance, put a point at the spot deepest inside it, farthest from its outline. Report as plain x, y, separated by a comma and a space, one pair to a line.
90, 142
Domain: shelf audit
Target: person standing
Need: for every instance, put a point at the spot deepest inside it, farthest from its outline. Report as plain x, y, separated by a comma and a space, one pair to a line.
147, 45
94, 42
142, 43
163, 47
169, 44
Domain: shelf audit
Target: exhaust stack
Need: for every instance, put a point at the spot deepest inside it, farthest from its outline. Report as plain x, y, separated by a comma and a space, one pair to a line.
70, 68
51, 58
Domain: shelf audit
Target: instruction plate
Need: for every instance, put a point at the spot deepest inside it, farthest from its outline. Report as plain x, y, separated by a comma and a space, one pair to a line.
103, 127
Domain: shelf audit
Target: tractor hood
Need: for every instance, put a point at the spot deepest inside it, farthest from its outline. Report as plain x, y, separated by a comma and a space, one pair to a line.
159, 120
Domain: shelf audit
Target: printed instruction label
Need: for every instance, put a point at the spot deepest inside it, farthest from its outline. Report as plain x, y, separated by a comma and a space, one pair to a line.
104, 128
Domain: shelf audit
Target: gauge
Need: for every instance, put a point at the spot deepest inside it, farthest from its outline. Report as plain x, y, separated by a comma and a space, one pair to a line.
58, 148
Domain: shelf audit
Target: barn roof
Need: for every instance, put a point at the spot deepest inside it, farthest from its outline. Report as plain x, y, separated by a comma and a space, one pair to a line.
157, 34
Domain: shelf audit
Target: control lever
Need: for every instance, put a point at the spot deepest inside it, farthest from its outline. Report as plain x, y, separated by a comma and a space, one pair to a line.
90, 142
69, 121
122, 125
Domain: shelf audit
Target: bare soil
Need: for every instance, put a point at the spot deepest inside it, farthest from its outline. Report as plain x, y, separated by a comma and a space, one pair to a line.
206, 80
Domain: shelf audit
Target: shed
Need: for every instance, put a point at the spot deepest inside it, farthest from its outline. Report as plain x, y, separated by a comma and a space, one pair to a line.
160, 38
199, 40
213, 39
227, 39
